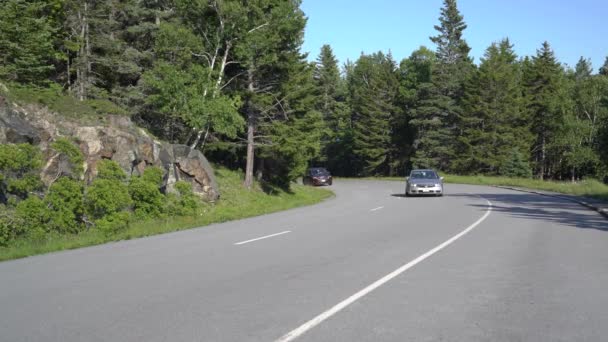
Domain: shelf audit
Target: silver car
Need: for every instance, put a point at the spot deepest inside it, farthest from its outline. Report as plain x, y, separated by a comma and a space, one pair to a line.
424, 182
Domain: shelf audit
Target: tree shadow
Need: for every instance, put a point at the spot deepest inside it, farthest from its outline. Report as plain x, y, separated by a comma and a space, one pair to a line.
275, 188
402, 195
548, 209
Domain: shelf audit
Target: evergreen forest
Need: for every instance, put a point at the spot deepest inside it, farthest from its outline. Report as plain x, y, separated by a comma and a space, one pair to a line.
229, 77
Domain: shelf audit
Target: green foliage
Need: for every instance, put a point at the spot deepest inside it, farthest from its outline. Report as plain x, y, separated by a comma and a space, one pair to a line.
65, 147
19, 165
185, 203
110, 170
25, 185
34, 215
177, 44
10, 225
146, 196
374, 89
26, 41
114, 223
516, 166
547, 102
153, 175
494, 121
106, 197
19, 159
54, 97
182, 94
436, 117
336, 142
65, 202
236, 203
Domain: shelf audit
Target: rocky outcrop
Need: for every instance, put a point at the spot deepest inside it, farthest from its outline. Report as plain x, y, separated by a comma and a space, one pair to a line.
117, 139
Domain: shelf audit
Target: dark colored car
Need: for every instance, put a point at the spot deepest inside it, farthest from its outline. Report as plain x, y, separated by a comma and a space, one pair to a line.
317, 176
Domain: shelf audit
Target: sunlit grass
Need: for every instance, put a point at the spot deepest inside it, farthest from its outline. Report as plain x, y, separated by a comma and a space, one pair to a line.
235, 203
588, 188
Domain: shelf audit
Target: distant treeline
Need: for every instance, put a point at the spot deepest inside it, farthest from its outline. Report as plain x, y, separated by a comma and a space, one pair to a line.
228, 77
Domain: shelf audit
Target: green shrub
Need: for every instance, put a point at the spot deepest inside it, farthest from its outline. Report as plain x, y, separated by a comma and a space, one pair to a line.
72, 152
19, 166
19, 159
147, 198
65, 199
105, 197
154, 175
33, 214
185, 203
106, 107
9, 225
517, 166
22, 187
110, 170
188, 200
114, 223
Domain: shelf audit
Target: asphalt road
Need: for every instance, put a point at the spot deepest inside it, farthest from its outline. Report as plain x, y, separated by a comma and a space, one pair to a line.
368, 265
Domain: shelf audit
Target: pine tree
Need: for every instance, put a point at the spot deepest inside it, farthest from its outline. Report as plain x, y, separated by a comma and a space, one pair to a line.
268, 54
494, 120
373, 88
546, 104
414, 79
437, 115
26, 41
294, 136
604, 68
583, 69
331, 103
327, 77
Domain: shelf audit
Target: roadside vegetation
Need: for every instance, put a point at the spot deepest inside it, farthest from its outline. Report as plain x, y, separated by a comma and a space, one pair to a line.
134, 217
587, 188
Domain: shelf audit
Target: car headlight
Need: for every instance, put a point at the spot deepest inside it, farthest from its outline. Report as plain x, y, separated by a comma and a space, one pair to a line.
437, 184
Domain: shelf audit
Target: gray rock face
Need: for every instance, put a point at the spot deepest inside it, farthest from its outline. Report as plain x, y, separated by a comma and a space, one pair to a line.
118, 140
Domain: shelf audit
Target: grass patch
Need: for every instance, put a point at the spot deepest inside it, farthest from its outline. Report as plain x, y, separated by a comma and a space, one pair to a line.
588, 188
56, 100
236, 203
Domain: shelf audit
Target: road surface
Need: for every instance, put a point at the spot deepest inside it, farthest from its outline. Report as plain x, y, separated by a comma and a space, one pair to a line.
479, 264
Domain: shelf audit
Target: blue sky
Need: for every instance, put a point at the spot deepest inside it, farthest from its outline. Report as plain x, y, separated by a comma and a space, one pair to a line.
574, 28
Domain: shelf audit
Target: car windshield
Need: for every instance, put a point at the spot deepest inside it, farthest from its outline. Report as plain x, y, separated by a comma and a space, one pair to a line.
318, 172
423, 175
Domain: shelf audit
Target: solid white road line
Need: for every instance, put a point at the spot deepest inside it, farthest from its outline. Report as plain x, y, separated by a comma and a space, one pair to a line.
376, 209
262, 238
348, 301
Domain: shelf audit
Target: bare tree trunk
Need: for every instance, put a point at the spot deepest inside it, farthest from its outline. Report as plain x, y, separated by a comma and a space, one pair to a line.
573, 174
259, 173
69, 74
250, 151
83, 66
543, 158
199, 135
216, 90
250, 135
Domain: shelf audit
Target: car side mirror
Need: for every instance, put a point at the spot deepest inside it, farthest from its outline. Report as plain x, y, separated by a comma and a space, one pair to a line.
441, 178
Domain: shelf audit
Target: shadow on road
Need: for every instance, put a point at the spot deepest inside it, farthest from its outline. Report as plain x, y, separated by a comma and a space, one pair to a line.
548, 209
410, 196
